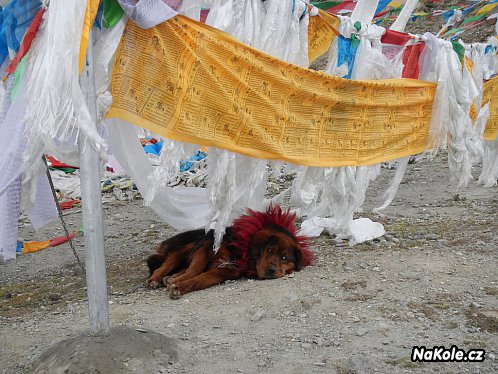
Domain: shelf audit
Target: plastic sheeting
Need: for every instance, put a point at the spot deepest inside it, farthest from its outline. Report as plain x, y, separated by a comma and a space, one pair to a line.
11, 148
56, 108
183, 208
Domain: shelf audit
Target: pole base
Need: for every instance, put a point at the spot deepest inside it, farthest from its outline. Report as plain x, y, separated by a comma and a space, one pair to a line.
125, 350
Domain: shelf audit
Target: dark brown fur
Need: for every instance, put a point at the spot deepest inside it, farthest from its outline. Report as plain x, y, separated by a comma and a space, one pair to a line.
187, 262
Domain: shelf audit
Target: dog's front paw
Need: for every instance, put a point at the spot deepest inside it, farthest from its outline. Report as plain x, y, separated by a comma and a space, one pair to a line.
167, 281
152, 283
174, 291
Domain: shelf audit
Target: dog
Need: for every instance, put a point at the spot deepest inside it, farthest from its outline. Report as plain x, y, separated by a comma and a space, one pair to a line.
260, 245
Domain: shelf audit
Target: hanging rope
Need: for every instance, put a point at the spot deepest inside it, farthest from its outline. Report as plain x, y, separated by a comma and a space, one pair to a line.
61, 216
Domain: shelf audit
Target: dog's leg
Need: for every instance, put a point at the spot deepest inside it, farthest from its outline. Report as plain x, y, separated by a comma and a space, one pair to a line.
210, 278
172, 261
198, 264
168, 278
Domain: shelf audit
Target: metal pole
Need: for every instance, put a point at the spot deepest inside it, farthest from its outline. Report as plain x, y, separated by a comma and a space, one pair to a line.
98, 308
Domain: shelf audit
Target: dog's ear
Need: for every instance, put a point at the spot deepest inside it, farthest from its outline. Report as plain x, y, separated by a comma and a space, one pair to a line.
298, 255
258, 242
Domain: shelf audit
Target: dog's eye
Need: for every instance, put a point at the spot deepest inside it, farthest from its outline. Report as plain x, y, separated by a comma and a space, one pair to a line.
270, 251
284, 258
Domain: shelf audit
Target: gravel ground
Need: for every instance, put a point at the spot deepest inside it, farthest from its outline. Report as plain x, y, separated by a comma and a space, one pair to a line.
435, 23
430, 281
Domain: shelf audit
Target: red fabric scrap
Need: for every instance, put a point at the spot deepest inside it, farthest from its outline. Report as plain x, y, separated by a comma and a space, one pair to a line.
27, 41
204, 14
68, 204
57, 164
395, 37
62, 239
411, 58
346, 5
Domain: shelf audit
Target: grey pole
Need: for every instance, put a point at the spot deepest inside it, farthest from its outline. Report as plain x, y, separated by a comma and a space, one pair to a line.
98, 308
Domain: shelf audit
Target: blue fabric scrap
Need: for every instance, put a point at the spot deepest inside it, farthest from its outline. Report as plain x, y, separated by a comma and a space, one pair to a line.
15, 19
347, 52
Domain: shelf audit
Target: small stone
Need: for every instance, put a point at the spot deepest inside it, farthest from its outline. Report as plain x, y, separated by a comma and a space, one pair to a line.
302, 315
54, 296
170, 325
491, 356
361, 331
306, 345
473, 330
319, 363
395, 240
260, 313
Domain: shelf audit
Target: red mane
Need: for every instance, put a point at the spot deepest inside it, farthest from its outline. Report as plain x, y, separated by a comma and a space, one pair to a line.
248, 224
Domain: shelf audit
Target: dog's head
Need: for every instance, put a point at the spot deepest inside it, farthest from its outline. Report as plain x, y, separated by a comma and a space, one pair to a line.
274, 252
269, 243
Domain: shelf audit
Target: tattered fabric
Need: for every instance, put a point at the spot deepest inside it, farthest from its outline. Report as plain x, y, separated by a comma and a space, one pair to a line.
491, 95
193, 83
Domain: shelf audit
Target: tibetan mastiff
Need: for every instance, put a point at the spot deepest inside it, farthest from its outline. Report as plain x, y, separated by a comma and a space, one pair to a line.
261, 245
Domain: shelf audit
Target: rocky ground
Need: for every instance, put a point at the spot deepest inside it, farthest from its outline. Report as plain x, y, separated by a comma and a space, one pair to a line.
431, 281
434, 24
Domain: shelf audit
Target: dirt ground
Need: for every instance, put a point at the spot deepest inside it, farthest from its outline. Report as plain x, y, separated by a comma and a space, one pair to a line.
431, 281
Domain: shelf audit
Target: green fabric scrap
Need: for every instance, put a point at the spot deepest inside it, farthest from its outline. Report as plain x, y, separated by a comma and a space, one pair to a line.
112, 13
459, 50
325, 4
471, 19
18, 75
452, 31
65, 170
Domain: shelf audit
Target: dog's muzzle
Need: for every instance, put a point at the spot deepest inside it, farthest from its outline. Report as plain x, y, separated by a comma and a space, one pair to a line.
271, 273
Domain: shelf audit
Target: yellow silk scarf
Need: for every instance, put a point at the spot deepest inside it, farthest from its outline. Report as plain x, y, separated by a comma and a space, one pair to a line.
491, 95
190, 82
92, 7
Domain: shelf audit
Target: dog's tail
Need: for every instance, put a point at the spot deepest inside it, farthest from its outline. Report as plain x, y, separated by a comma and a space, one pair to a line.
154, 262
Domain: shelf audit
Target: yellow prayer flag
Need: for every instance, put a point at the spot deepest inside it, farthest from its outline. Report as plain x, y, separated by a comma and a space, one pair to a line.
190, 82
491, 96
31, 247
92, 7
322, 30
486, 8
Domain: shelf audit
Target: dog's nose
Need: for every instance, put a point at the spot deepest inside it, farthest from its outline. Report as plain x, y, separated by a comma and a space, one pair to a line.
271, 272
